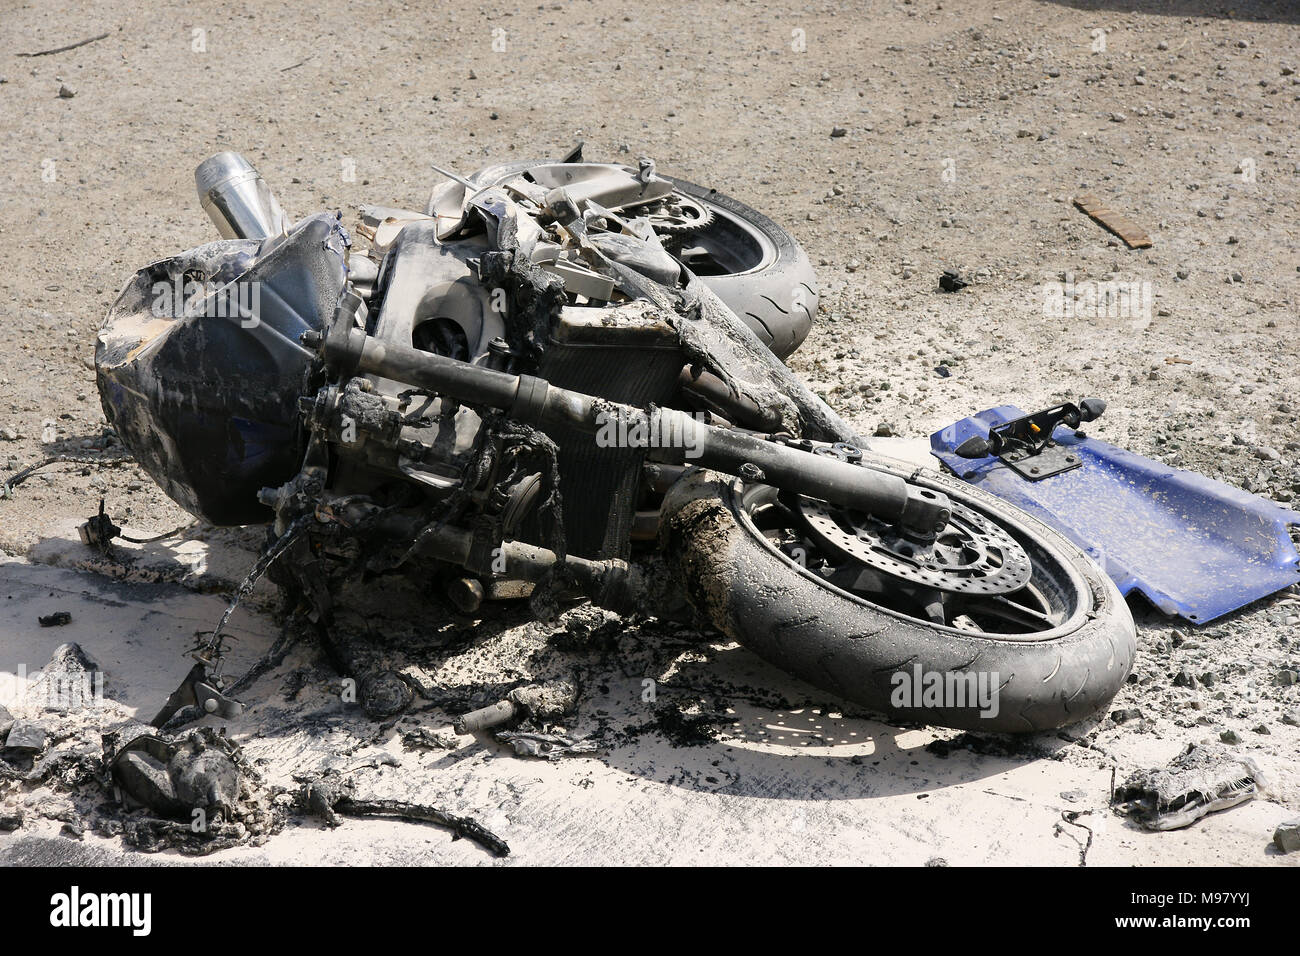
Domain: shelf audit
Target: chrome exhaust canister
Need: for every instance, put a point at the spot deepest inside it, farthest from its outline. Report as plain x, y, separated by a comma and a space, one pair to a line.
237, 199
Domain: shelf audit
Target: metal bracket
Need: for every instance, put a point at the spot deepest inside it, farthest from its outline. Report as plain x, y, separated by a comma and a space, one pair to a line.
1025, 444
1051, 459
196, 690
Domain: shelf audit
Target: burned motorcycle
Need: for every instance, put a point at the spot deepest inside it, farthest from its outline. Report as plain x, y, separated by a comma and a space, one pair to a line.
557, 374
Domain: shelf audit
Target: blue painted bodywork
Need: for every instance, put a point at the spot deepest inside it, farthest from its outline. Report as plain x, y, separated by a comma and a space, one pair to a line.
1192, 546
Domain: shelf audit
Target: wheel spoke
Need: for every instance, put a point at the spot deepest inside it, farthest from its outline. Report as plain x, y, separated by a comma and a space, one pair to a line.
1008, 610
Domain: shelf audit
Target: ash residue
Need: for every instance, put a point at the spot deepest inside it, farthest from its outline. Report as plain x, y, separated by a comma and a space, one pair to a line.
988, 746
587, 629
678, 727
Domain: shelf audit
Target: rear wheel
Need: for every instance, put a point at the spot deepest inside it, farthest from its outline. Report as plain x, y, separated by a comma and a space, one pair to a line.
753, 265
1003, 625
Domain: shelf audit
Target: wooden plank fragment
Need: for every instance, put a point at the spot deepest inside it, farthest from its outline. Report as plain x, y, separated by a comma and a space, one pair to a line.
1133, 235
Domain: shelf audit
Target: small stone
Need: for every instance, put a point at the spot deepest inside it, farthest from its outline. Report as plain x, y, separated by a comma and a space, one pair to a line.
1118, 118
1262, 729
1265, 453
884, 430
11, 820
1124, 714
1286, 677
8, 433
1162, 45
1230, 737
838, 131
65, 93
1287, 835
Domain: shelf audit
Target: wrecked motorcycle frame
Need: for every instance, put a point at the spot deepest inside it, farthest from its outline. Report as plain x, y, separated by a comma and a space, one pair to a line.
557, 378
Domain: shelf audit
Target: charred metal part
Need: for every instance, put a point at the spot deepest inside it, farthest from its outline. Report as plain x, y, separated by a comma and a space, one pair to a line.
610, 583
542, 702
484, 718
467, 594
99, 530
546, 746
646, 526
536, 296
174, 777
647, 258
197, 691
660, 476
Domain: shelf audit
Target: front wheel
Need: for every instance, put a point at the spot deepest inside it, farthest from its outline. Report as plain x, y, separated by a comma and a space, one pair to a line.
1003, 625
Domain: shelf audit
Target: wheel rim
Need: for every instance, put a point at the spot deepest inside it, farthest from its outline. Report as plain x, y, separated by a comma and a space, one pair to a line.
1051, 603
727, 246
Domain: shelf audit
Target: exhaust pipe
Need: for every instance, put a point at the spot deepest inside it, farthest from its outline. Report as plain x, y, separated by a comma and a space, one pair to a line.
237, 199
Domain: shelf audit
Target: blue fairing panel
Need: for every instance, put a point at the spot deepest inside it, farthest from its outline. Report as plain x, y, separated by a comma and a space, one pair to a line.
1192, 546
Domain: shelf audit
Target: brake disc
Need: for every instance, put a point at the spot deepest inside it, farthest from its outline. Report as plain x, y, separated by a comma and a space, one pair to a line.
972, 555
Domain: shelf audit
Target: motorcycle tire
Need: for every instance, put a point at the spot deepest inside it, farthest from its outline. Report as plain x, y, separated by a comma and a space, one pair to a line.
753, 265
839, 641
762, 274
